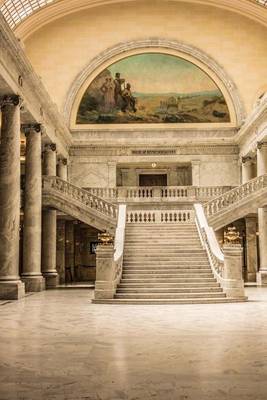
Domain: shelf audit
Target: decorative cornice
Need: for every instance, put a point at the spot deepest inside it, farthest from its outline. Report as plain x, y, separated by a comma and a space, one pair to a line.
122, 49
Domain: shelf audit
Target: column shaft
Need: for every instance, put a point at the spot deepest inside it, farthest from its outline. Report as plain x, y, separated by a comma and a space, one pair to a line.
262, 217
251, 248
10, 285
62, 169
49, 226
61, 250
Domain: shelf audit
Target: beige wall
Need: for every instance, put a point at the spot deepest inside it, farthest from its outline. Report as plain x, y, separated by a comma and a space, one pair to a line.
208, 170
60, 50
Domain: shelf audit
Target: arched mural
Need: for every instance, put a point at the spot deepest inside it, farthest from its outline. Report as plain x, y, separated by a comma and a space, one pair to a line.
152, 88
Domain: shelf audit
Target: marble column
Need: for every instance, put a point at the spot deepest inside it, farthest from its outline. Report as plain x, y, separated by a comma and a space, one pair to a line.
31, 275
11, 286
69, 254
247, 169
62, 169
251, 248
262, 217
61, 250
49, 226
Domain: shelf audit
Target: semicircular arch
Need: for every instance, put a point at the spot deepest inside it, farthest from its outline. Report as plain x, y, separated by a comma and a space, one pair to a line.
152, 45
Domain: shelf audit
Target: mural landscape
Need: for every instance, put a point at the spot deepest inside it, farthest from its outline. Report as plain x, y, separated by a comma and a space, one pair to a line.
152, 88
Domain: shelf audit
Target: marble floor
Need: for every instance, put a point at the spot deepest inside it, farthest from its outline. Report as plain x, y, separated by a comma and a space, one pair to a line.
57, 345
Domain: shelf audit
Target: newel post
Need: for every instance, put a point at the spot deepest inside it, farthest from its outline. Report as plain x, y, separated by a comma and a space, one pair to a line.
232, 271
104, 285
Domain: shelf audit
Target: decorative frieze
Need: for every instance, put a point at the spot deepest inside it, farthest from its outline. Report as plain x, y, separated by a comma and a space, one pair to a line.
129, 151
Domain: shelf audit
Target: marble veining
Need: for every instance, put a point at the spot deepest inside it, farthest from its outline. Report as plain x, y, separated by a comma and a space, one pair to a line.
56, 345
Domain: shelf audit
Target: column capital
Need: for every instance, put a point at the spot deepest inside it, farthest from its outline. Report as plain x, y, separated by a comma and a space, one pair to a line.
27, 128
246, 159
50, 147
261, 144
10, 100
62, 161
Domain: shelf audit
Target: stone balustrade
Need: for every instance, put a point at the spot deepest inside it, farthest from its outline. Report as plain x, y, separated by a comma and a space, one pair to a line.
133, 194
226, 263
160, 216
79, 203
237, 202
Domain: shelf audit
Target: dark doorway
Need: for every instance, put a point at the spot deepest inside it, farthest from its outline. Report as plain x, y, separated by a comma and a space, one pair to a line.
153, 180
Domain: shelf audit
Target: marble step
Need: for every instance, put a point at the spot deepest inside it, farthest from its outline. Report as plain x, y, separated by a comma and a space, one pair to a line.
149, 284
168, 295
173, 267
195, 255
167, 275
200, 300
164, 263
181, 251
168, 290
198, 271
157, 280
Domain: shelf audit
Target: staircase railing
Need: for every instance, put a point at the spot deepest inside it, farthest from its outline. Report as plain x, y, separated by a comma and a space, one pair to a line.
87, 199
227, 265
235, 195
119, 244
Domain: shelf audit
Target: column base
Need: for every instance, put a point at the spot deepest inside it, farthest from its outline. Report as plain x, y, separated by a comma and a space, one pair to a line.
251, 276
51, 280
262, 278
12, 290
33, 283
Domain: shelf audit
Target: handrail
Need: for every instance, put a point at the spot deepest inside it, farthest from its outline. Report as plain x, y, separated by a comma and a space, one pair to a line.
239, 193
83, 196
209, 242
119, 243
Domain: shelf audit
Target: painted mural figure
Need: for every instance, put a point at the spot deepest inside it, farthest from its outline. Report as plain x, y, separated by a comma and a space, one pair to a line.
118, 82
107, 89
128, 99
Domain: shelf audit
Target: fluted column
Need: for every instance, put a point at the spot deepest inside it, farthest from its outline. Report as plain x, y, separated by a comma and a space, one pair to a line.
49, 226
247, 169
31, 275
62, 169
11, 286
262, 217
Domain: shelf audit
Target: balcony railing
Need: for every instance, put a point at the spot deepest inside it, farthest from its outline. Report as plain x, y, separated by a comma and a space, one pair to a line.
147, 194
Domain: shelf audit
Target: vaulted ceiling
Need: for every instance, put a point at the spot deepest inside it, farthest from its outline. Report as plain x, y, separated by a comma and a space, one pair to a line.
17, 11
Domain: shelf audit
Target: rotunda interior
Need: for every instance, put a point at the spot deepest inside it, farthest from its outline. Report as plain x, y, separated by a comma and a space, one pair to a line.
133, 172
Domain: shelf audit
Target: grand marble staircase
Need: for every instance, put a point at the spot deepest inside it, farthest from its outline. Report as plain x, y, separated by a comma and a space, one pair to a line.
166, 264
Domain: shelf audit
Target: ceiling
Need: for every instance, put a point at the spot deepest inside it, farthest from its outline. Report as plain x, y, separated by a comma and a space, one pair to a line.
16, 11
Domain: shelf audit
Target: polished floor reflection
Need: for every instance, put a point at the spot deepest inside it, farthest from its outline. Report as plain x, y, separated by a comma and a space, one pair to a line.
56, 345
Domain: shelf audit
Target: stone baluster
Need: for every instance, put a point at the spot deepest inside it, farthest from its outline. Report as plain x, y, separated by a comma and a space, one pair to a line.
62, 169
11, 286
49, 229
31, 275
262, 217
